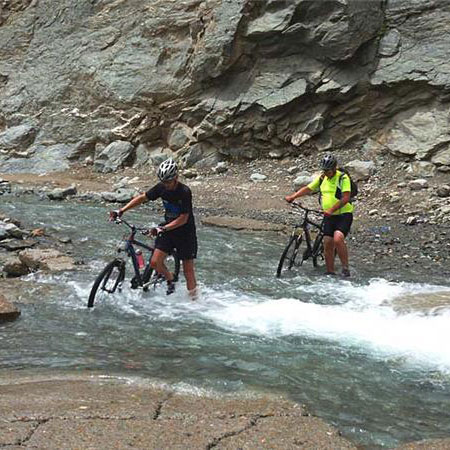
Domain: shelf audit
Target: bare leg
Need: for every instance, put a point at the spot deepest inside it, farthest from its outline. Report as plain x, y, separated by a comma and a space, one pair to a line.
328, 245
158, 263
341, 247
189, 275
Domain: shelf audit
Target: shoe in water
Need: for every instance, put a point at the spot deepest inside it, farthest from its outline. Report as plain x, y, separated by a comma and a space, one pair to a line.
134, 283
345, 273
170, 287
333, 274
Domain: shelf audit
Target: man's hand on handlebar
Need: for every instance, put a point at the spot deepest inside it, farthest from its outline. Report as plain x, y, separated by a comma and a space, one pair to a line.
289, 198
157, 231
114, 215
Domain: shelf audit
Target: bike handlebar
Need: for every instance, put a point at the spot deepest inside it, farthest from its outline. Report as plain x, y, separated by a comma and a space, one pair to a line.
298, 205
154, 231
144, 230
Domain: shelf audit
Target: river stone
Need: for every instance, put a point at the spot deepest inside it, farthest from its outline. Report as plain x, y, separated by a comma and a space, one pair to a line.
7, 310
120, 196
17, 244
417, 185
62, 193
443, 191
46, 259
14, 267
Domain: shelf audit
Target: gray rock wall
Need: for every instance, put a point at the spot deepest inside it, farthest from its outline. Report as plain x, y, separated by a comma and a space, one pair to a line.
239, 77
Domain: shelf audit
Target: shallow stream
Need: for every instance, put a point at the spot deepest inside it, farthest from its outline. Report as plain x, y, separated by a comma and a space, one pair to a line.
354, 351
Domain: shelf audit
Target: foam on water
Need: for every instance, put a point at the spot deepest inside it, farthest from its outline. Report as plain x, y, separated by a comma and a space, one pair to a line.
367, 319
360, 316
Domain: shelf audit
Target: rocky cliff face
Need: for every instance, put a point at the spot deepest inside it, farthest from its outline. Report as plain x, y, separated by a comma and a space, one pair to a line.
127, 82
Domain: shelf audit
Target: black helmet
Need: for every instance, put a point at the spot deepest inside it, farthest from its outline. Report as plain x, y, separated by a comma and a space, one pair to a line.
328, 162
168, 170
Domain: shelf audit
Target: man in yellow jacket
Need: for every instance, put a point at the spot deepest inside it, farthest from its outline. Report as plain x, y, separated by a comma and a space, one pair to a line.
335, 189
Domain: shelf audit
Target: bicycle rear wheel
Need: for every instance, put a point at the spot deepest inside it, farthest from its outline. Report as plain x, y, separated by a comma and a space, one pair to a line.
289, 255
108, 281
150, 277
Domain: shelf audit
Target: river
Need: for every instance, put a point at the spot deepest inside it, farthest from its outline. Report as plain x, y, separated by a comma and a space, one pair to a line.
348, 349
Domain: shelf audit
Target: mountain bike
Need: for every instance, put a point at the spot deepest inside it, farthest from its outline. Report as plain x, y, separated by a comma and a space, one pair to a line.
301, 246
112, 277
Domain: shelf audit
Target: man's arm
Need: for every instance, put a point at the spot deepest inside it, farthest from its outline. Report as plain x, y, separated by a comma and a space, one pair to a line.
305, 190
342, 202
176, 223
141, 198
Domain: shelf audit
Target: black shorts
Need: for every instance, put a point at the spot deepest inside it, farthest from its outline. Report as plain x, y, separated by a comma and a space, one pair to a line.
185, 244
339, 222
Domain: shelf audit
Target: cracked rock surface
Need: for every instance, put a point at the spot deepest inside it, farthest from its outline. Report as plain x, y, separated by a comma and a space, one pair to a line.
91, 412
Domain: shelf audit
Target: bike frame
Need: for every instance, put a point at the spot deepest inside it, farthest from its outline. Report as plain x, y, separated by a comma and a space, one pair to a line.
305, 226
129, 249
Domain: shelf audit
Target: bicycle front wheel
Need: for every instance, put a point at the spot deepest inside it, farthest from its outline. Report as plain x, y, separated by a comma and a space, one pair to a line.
108, 281
289, 255
317, 250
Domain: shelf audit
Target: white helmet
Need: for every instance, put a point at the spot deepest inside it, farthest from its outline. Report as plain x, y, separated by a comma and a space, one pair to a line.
168, 170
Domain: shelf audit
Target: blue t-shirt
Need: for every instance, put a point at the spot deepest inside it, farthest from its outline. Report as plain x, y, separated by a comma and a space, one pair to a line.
176, 202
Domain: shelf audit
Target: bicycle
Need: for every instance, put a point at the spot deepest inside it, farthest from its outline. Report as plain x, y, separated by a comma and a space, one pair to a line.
112, 277
300, 233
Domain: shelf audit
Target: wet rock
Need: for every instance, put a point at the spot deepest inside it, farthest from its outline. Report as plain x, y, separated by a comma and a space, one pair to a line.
8, 311
62, 193
11, 230
15, 244
120, 196
5, 187
46, 259
14, 267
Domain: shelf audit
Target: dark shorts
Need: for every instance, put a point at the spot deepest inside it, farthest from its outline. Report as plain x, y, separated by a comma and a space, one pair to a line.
340, 222
186, 245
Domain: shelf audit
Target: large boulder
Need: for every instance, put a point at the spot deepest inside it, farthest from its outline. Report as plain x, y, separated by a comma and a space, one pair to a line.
113, 157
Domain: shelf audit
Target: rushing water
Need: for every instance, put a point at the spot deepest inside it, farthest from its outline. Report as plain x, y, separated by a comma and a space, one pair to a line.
345, 348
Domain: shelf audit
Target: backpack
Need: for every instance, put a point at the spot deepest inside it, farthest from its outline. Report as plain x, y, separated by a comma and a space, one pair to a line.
338, 195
